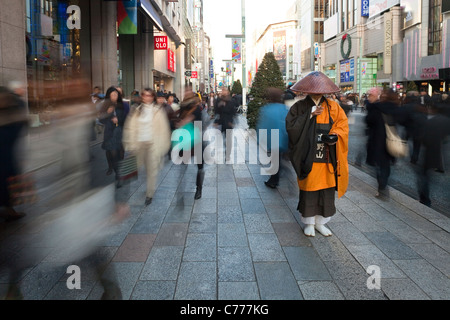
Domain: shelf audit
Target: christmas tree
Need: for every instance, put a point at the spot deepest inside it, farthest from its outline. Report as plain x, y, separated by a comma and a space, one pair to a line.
268, 75
237, 87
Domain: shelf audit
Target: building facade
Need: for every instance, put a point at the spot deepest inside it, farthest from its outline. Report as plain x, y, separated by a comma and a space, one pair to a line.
56, 40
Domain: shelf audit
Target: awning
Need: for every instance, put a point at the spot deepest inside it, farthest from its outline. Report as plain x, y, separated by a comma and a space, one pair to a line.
151, 12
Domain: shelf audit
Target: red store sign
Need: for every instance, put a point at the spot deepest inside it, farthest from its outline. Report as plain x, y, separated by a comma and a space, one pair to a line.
160, 42
170, 60
429, 73
194, 75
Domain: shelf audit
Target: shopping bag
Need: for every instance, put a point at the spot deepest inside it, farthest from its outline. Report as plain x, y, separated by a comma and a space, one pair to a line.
127, 169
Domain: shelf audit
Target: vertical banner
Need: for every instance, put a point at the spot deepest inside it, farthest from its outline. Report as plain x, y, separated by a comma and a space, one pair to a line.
229, 68
236, 52
170, 60
127, 16
187, 55
387, 43
279, 49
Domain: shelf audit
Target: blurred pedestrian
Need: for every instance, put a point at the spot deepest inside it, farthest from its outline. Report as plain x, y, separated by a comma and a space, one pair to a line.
190, 112
13, 123
113, 116
147, 134
435, 130
379, 104
318, 144
225, 117
272, 116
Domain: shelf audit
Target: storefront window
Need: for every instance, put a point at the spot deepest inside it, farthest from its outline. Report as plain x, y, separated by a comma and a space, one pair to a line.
55, 51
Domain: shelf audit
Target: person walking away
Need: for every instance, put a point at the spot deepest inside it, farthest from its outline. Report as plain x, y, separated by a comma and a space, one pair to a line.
113, 117
147, 134
225, 114
377, 154
272, 116
190, 112
321, 164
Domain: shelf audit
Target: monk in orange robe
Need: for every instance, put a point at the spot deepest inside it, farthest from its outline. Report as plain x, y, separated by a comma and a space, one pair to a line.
318, 143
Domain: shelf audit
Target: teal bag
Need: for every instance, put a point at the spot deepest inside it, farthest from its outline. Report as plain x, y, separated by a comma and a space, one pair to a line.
188, 136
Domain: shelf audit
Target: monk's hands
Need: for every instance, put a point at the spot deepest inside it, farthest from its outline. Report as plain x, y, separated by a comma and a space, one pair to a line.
317, 112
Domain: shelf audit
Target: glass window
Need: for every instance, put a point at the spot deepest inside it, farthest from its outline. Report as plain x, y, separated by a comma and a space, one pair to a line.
435, 27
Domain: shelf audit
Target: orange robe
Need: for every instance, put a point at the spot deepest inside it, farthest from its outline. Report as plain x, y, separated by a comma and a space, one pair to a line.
321, 175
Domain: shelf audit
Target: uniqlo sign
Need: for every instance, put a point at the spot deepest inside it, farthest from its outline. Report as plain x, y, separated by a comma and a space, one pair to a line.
194, 74
170, 60
160, 42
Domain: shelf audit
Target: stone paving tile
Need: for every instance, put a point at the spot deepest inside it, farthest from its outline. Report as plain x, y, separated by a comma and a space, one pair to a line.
368, 255
257, 223
197, 281
124, 274
231, 235
149, 222
238, 291
351, 280
290, 234
362, 221
377, 212
404, 232
229, 213
252, 206
154, 290
200, 247
276, 281
61, 292
435, 255
40, 280
402, 289
347, 233
171, 234
330, 248
320, 290
391, 246
280, 213
235, 264
305, 264
135, 248
178, 214
163, 263
441, 238
183, 199
203, 223
248, 193
265, 247
205, 205
428, 278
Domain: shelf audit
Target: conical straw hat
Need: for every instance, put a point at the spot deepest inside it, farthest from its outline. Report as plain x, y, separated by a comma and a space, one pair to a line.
315, 83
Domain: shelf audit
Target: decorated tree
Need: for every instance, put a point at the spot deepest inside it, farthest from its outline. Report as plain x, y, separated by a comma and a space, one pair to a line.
237, 87
268, 75
411, 86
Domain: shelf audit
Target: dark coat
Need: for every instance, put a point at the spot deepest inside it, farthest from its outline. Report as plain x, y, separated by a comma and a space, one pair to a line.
13, 122
301, 130
112, 134
377, 154
225, 112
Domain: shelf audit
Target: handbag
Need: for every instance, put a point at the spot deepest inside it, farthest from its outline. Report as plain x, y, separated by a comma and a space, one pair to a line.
22, 189
127, 169
396, 146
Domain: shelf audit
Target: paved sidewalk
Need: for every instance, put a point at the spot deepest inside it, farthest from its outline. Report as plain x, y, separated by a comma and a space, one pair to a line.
244, 241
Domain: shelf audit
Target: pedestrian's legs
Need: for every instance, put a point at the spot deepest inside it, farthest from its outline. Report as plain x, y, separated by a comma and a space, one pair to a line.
151, 167
383, 172
109, 159
199, 181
